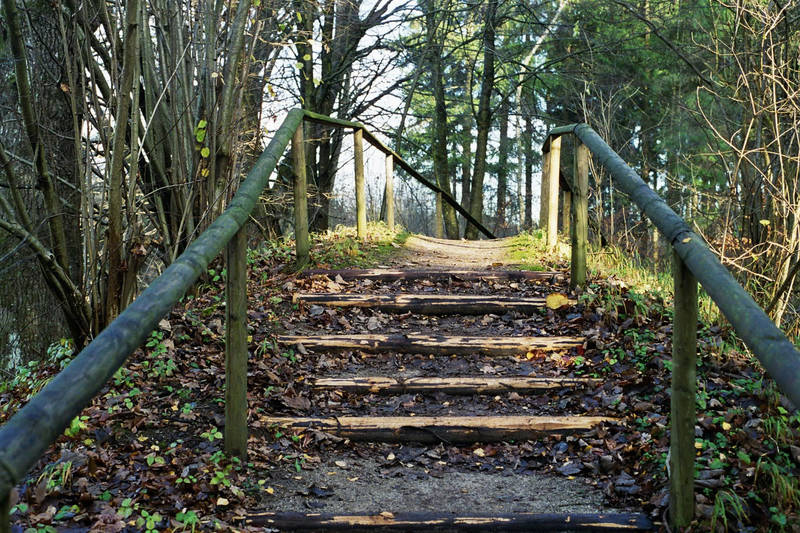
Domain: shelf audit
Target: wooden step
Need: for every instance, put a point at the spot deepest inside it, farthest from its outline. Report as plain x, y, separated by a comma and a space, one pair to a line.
439, 428
389, 521
432, 304
433, 344
452, 385
385, 274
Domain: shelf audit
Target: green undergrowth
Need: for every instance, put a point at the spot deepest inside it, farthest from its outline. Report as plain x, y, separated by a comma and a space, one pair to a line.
747, 435
338, 248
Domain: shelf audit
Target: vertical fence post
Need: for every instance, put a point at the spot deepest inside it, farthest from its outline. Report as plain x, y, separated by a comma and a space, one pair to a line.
580, 216
543, 204
300, 198
552, 192
682, 409
236, 345
361, 203
438, 223
388, 199
566, 211
5, 513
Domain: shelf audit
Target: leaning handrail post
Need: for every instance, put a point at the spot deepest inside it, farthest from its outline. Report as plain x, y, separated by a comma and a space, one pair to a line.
543, 203
552, 192
5, 513
682, 408
580, 216
566, 212
236, 345
361, 204
389, 192
300, 199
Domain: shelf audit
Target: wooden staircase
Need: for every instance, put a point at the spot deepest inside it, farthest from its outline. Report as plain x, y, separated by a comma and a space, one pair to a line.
462, 428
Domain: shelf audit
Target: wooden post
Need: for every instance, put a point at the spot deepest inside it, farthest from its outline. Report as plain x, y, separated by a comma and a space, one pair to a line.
438, 223
300, 199
361, 202
552, 192
236, 346
543, 193
389, 192
580, 216
684, 355
5, 513
566, 211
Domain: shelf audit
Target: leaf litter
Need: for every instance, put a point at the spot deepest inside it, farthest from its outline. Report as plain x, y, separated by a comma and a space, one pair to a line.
148, 450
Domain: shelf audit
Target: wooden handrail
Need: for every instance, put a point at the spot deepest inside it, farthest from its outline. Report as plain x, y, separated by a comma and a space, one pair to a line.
28, 433
693, 262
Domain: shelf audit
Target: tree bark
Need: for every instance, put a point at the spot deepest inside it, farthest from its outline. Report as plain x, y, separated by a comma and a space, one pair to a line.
439, 428
502, 170
484, 119
429, 304
433, 344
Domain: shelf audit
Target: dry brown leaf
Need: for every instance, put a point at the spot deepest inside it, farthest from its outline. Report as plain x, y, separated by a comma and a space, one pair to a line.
556, 300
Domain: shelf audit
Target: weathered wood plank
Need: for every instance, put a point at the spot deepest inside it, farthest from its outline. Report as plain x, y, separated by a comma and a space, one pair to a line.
452, 385
388, 521
433, 344
440, 304
440, 428
385, 274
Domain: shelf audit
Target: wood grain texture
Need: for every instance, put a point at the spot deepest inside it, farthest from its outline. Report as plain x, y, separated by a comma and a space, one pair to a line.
387, 521
439, 428
451, 385
432, 304
433, 344
386, 274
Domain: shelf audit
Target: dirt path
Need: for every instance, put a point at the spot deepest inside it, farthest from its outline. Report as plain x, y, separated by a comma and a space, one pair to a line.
349, 477
443, 254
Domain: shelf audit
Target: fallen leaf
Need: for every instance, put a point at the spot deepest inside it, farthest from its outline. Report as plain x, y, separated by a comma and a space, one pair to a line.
222, 501
340, 464
556, 300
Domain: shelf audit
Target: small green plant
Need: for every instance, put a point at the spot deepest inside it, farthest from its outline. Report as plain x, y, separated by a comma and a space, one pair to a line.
212, 434
727, 503
148, 521
187, 519
77, 425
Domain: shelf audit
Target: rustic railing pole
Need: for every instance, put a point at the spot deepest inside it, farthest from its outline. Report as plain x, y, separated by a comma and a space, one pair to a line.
684, 357
389, 192
566, 211
580, 216
543, 203
300, 199
236, 345
552, 191
438, 222
5, 513
361, 202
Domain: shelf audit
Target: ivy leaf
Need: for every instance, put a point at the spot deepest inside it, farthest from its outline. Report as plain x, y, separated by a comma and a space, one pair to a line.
205, 152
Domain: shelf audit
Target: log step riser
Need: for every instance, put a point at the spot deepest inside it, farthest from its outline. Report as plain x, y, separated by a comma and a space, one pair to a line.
449, 429
433, 344
435, 275
387, 521
462, 385
439, 304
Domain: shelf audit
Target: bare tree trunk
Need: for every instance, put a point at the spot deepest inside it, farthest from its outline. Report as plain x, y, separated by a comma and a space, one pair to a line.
484, 119
440, 163
502, 171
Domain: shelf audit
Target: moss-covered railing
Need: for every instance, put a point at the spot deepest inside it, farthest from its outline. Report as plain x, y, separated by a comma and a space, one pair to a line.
692, 262
28, 433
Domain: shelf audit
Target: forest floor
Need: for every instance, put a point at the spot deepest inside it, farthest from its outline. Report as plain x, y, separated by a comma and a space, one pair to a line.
147, 453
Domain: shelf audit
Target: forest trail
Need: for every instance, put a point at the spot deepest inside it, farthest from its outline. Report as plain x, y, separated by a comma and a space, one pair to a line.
440, 415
